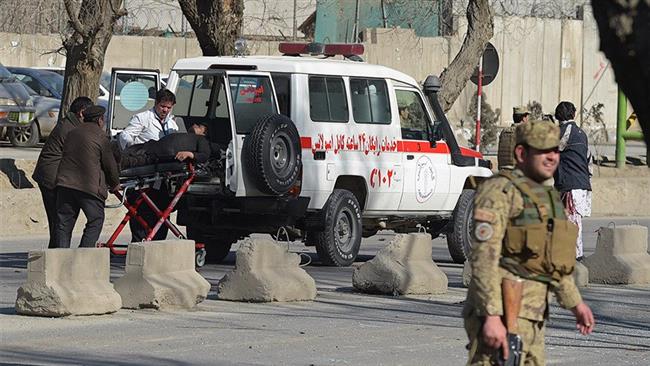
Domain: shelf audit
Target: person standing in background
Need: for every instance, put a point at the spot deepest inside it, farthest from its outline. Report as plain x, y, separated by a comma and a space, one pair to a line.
573, 178
50, 157
505, 151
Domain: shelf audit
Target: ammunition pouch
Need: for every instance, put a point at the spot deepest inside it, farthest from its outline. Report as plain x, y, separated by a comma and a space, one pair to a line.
542, 249
540, 244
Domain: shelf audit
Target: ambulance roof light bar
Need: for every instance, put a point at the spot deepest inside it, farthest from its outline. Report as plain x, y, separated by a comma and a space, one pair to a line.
348, 50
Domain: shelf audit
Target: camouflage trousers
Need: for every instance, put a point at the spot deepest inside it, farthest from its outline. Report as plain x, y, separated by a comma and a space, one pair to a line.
532, 335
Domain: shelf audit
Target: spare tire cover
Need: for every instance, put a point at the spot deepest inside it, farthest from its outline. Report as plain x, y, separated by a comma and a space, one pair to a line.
272, 155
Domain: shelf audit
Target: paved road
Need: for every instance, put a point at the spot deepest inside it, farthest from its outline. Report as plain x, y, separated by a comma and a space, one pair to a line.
339, 328
7, 151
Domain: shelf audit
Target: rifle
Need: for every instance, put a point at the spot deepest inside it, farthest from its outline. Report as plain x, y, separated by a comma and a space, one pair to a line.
512, 292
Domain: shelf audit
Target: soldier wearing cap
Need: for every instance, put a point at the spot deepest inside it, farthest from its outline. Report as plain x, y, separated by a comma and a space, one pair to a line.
87, 170
521, 234
505, 154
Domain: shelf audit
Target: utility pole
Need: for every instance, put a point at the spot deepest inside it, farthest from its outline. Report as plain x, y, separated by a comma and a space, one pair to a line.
295, 20
356, 22
478, 104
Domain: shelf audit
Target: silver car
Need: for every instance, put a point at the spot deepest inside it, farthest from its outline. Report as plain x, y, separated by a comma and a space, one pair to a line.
45, 118
16, 106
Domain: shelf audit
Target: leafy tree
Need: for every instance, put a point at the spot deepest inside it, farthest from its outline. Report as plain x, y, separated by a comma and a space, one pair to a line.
489, 122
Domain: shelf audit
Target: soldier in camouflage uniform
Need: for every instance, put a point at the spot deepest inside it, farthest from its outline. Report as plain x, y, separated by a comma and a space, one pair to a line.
521, 233
505, 154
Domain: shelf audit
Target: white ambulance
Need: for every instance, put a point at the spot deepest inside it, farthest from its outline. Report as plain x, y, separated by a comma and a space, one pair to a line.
329, 147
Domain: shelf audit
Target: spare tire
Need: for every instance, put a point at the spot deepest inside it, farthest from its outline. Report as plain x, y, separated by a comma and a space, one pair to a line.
272, 155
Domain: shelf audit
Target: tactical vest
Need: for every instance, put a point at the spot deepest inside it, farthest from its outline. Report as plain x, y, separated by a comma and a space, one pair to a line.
506, 150
540, 243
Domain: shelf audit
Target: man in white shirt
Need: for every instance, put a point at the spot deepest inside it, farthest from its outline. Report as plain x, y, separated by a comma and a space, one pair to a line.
152, 124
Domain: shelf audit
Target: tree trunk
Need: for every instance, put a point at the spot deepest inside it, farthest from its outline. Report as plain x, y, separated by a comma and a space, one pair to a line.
216, 23
480, 28
624, 28
92, 29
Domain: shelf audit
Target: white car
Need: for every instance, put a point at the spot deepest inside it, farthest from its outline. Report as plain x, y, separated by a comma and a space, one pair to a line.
331, 149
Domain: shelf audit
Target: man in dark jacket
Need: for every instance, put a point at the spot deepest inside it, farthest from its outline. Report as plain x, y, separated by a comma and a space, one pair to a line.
573, 178
86, 170
50, 157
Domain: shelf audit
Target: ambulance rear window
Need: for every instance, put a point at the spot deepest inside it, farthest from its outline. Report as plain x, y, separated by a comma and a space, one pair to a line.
252, 98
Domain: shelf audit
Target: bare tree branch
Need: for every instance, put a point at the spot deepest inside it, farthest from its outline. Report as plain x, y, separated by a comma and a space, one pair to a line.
480, 29
73, 15
216, 23
86, 46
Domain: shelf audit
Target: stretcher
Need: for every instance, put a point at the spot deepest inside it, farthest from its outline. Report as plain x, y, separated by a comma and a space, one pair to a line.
176, 175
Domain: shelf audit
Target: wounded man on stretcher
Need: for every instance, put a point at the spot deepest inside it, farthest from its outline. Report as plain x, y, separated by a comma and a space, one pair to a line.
177, 146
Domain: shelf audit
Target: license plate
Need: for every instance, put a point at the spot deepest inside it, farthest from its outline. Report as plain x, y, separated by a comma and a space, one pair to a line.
24, 118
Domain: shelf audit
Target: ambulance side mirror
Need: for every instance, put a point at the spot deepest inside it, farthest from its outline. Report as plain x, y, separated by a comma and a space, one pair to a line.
435, 136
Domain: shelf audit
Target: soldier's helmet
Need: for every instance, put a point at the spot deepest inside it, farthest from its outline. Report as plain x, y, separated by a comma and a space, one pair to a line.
522, 109
541, 135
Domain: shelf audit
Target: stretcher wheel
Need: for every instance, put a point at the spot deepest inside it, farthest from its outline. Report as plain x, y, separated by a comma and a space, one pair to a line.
199, 257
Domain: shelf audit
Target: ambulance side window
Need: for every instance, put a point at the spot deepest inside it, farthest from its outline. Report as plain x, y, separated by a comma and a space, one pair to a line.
370, 103
327, 99
414, 121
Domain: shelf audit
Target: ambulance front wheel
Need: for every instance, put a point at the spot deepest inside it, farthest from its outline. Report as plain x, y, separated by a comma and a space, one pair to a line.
459, 240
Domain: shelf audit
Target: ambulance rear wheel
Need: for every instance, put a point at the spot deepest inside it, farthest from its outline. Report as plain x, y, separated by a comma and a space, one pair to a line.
459, 240
338, 244
217, 245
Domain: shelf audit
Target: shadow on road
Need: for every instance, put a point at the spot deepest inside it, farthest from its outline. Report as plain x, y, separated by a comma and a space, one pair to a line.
16, 176
89, 359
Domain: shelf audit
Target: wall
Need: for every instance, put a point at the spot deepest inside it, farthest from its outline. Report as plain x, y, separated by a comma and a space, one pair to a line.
543, 60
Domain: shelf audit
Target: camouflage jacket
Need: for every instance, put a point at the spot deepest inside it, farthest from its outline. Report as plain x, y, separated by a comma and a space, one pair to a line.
496, 202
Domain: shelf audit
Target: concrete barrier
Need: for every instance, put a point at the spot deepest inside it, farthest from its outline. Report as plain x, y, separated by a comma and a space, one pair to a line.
161, 274
581, 275
265, 271
402, 267
64, 282
467, 273
621, 256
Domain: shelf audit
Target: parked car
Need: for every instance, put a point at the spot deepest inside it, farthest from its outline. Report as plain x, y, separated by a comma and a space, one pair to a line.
45, 83
43, 122
16, 105
104, 83
48, 83
316, 145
